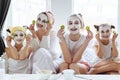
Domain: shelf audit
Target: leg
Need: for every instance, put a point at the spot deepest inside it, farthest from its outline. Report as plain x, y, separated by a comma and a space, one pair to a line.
78, 68
101, 63
109, 67
63, 66
42, 60
112, 72
57, 63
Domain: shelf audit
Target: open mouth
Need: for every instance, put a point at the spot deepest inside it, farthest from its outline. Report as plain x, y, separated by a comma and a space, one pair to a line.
73, 29
19, 40
39, 25
106, 36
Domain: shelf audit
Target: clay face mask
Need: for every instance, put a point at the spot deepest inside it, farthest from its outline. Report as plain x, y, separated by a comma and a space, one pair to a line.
74, 25
105, 32
18, 37
42, 21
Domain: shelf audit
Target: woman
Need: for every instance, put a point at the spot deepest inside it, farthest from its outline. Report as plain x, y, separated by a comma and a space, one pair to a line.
45, 43
74, 44
106, 50
18, 54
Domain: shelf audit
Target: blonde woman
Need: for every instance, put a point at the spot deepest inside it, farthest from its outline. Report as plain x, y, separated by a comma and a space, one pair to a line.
45, 42
18, 54
74, 44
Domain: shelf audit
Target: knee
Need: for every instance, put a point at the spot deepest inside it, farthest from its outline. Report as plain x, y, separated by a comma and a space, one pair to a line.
72, 66
42, 53
64, 65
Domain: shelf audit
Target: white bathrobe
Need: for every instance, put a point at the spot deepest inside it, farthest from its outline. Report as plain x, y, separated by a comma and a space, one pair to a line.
17, 66
46, 54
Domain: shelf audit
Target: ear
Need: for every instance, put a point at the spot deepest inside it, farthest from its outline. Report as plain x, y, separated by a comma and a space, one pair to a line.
96, 27
112, 27
8, 30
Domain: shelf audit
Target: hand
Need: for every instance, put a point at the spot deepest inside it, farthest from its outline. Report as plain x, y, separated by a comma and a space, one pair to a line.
114, 37
31, 27
32, 30
89, 35
28, 39
97, 36
49, 27
60, 33
8, 39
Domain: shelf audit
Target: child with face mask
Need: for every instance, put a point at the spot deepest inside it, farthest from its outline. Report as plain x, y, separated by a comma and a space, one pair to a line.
106, 50
74, 44
18, 54
45, 43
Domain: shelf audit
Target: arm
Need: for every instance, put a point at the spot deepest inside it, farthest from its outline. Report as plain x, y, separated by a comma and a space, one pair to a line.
64, 48
114, 47
10, 50
23, 54
98, 47
82, 48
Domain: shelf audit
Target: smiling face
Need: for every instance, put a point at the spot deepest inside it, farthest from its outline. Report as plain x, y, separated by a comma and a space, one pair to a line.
74, 24
105, 32
19, 37
42, 21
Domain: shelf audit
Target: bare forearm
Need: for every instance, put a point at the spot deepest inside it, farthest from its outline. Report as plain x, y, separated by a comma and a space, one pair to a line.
13, 52
24, 53
114, 50
99, 50
66, 53
79, 53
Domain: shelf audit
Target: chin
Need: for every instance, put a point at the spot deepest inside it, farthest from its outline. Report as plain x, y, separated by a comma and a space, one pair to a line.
105, 38
18, 43
75, 32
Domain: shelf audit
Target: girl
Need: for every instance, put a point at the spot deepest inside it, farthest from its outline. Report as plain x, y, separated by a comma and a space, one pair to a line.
74, 44
106, 49
18, 53
45, 42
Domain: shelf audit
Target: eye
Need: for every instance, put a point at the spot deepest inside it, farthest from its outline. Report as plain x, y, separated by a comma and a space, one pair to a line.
76, 22
44, 21
21, 35
70, 23
102, 31
107, 31
15, 35
39, 19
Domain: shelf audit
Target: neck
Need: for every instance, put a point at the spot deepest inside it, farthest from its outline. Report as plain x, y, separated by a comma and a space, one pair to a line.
18, 46
74, 37
105, 42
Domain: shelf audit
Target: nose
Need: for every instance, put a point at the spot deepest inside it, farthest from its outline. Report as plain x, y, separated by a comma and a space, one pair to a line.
19, 37
39, 25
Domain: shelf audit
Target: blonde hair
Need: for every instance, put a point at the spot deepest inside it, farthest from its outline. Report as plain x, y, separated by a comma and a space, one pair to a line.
11, 30
79, 16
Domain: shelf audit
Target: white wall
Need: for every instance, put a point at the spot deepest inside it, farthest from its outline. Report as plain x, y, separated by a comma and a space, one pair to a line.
61, 9
119, 23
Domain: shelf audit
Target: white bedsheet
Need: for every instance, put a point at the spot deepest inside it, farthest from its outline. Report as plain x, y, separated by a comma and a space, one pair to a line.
79, 77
